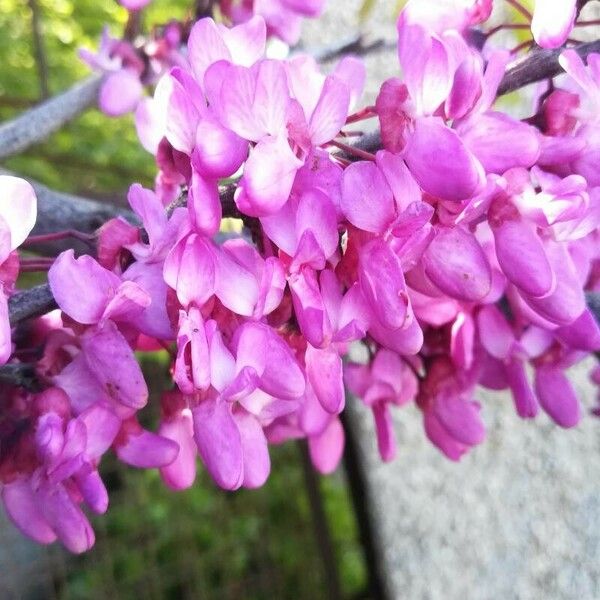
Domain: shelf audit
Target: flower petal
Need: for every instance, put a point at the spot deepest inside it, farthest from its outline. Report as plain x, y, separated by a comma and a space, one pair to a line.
219, 443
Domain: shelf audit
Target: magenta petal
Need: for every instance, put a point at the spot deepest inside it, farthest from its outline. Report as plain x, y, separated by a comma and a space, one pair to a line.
457, 265
466, 87
5, 333
235, 286
566, 303
367, 200
384, 428
495, 333
102, 426
18, 208
72, 279
268, 177
246, 41
352, 71
93, 490
553, 21
154, 320
190, 270
280, 375
205, 47
357, 378
83, 389
500, 142
204, 204
582, 334
522, 257
462, 341
218, 152
331, 111
317, 214
440, 438
325, 373
23, 510
309, 307
112, 362
441, 163
257, 463
243, 384
181, 473
460, 418
134, 4
127, 303
557, 396
120, 93
219, 443
182, 118
525, 401
400, 180
192, 367
406, 341
150, 209
146, 450
67, 519
426, 65
326, 448
382, 282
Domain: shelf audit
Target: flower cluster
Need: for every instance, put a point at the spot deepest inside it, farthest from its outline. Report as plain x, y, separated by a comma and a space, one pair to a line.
457, 255
131, 65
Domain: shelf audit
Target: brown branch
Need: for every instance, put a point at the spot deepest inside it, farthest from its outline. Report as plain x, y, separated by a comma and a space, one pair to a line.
539, 65
36, 124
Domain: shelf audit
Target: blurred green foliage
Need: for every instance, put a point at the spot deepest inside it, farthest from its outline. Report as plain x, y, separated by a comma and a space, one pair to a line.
94, 155
154, 543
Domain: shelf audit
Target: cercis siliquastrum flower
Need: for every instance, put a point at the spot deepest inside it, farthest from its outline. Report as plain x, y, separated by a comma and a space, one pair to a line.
458, 254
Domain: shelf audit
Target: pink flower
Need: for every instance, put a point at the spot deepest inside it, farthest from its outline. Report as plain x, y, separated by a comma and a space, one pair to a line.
387, 380
18, 211
451, 418
44, 503
552, 22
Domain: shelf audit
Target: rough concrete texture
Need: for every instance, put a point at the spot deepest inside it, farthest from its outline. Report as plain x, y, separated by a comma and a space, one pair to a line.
519, 517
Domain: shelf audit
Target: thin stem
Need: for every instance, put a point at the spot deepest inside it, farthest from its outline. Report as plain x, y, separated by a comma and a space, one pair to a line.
586, 23
353, 150
522, 46
366, 113
60, 235
520, 8
350, 134
35, 266
507, 26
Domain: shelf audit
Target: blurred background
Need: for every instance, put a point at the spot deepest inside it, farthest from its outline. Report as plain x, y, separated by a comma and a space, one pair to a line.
518, 518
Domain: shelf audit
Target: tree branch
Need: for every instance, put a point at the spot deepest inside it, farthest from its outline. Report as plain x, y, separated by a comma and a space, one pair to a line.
58, 211
37, 124
539, 65
358, 45
19, 375
31, 303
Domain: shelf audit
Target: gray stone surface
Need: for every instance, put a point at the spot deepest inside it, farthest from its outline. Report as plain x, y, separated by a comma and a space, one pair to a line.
519, 517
